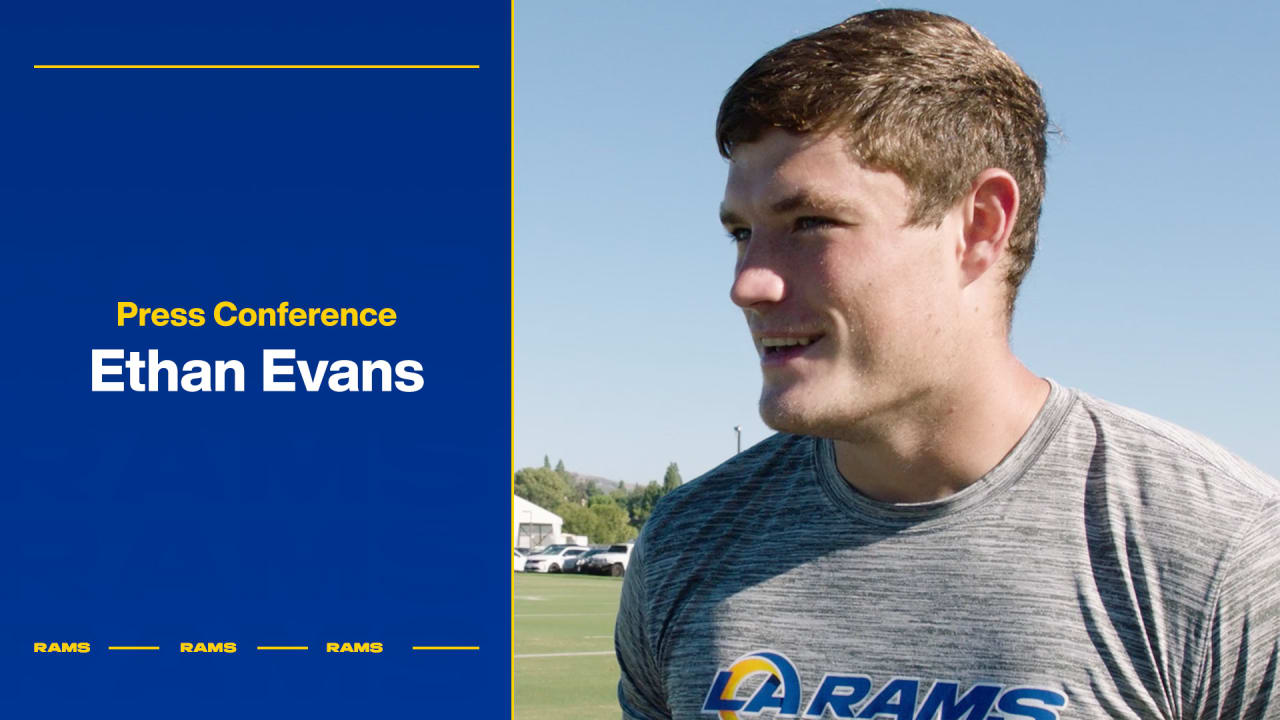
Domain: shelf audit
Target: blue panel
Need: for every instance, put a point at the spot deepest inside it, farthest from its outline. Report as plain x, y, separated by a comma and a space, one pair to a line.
276, 519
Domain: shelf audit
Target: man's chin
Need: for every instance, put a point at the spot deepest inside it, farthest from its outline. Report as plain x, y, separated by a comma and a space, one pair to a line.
786, 412
809, 411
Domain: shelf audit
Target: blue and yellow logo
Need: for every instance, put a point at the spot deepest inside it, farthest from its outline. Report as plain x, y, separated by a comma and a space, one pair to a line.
767, 680
779, 691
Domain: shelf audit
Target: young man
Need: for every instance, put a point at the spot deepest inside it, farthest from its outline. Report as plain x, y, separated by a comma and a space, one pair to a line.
936, 532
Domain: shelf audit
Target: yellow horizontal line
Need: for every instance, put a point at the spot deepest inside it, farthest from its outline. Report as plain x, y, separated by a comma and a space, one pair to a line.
133, 647
260, 67
446, 647
283, 647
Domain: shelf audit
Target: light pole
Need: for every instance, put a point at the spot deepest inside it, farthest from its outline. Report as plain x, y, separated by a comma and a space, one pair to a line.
738, 429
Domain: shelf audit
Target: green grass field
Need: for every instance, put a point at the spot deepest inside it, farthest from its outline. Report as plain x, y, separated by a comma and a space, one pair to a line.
557, 615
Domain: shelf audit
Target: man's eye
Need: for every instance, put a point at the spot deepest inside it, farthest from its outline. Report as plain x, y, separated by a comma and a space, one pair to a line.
811, 223
739, 235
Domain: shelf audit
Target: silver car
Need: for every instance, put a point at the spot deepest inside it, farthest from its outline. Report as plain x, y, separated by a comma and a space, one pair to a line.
551, 559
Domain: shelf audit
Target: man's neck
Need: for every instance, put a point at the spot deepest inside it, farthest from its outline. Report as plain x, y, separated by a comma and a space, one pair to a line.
958, 436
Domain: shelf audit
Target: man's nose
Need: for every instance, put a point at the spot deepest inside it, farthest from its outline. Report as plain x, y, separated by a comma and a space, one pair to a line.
756, 283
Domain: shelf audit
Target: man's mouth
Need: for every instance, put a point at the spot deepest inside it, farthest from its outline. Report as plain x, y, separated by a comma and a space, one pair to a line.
781, 349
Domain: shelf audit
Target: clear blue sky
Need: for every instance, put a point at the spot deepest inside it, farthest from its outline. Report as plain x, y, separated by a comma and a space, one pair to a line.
1155, 285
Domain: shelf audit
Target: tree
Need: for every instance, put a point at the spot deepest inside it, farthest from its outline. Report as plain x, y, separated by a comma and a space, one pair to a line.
577, 520
611, 520
568, 479
672, 479
603, 521
546, 461
542, 487
640, 503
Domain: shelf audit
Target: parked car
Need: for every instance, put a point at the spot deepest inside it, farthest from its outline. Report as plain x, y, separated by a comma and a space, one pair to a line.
612, 561
517, 561
580, 564
551, 559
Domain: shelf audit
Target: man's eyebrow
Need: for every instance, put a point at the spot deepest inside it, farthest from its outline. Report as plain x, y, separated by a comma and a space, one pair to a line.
805, 200
802, 200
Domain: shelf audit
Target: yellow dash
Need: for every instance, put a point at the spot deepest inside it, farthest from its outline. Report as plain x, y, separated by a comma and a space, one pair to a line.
446, 647
258, 67
283, 647
133, 647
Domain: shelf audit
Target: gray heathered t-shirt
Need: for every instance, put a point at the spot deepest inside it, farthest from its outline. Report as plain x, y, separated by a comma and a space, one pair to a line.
1111, 566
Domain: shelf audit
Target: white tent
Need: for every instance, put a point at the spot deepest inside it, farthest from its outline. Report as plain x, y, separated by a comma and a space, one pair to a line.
533, 526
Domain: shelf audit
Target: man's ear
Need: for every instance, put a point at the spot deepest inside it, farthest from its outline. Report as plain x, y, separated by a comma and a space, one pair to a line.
991, 208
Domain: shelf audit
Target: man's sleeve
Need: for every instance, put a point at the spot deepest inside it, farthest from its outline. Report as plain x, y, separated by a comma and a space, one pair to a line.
1241, 679
640, 688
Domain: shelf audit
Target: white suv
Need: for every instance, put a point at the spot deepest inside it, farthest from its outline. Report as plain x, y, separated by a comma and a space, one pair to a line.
551, 558
612, 561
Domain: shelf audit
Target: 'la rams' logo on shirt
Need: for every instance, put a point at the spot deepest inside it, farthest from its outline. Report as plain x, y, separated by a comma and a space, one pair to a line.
849, 695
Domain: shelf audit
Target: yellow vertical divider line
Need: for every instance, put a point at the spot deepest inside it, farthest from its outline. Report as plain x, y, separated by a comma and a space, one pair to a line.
511, 386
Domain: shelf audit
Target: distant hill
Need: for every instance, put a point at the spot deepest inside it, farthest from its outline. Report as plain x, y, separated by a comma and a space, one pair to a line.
605, 484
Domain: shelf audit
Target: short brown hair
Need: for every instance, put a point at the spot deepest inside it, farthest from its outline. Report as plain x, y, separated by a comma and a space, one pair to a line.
920, 94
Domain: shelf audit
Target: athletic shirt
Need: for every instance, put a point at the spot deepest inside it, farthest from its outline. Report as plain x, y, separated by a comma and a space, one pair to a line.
1111, 566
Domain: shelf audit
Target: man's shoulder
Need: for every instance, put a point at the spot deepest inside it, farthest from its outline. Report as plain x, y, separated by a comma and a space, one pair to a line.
1168, 457
1172, 519
732, 484
1166, 490
777, 454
